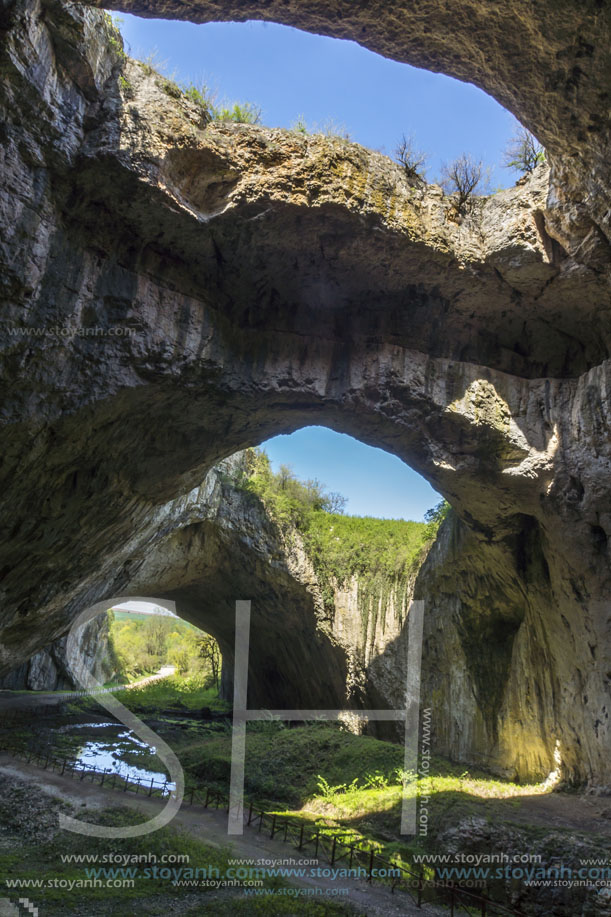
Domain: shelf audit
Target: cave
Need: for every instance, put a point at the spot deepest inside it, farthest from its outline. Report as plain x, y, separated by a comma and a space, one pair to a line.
248, 282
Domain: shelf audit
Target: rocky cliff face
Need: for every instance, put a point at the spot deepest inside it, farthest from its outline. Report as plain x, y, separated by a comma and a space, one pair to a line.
174, 290
547, 63
54, 668
488, 669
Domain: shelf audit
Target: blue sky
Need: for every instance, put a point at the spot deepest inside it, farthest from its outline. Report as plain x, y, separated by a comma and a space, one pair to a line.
375, 482
292, 74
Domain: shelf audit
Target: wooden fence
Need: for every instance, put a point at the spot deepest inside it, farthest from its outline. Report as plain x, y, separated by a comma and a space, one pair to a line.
334, 845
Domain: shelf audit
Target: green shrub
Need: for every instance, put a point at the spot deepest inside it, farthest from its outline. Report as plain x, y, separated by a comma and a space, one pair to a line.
115, 39
200, 95
239, 112
291, 502
376, 781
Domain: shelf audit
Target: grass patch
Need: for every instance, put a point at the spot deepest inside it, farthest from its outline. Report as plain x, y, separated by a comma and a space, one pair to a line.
189, 693
173, 693
282, 764
39, 849
325, 776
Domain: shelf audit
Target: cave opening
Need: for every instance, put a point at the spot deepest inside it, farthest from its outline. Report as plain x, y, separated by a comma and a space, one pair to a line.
329, 85
277, 278
333, 604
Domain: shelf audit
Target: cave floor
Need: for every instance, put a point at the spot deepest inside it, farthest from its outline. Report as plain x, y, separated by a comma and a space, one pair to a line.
587, 814
210, 826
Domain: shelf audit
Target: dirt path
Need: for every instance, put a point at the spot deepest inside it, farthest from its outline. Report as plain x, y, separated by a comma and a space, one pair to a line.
210, 826
17, 701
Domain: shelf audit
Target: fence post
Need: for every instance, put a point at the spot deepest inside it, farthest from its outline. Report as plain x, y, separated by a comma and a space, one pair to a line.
64, 765
420, 886
317, 840
351, 855
286, 828
249, 813
273, 825
151, 786
371, 856
126, 782
483, 906
300, 838
192, 795
260, 822
207, 797
103, 777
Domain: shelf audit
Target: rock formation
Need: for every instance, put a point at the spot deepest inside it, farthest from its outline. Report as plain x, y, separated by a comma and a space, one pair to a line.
53, 668
548, 64
174, 290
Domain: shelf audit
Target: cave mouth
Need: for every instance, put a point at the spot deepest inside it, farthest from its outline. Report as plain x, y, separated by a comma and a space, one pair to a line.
373, 481
198, 571
146, 640
332, 86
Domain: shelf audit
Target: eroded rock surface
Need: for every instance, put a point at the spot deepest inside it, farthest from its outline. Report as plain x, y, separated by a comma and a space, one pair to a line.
547, 62
55, 667
222, 283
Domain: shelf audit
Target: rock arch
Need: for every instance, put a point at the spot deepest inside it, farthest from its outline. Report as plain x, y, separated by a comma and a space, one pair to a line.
266, 281
547, 64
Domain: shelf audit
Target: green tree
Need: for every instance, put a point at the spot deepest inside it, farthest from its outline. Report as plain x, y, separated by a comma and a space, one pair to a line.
289, 500
209, 651
155, 634
435, 516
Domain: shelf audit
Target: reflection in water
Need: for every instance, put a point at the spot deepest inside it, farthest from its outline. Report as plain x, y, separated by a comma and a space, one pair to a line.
115, 752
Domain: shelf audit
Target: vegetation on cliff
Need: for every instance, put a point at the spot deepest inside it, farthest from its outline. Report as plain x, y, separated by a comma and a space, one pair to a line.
142, 644
384, 554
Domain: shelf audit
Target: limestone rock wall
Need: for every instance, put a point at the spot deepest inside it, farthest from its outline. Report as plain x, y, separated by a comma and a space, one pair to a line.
53, 669
546, 62
173, 290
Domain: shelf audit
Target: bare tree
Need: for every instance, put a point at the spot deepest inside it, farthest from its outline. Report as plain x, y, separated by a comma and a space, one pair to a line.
463, 177
412, 160
523, 152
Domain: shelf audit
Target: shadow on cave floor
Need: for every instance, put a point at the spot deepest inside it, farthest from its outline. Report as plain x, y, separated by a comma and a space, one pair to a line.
320, 771
307, 771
